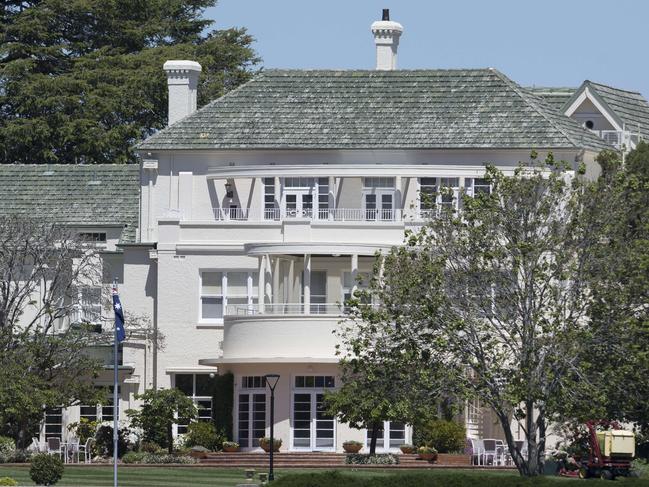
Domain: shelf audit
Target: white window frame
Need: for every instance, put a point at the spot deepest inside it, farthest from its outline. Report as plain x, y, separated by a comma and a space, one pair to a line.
251, 297
194, 397
407, 437
470, 185
384, 186
312, 391
250, 391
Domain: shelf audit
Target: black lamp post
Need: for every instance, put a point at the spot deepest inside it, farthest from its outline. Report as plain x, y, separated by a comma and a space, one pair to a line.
271, 381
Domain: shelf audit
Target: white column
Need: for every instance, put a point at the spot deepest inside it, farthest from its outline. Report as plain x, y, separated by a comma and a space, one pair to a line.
398, 204
261, 283
307, 284
461, 187
268, 292
276, 275
332, 196
354, 272
290, 289
278, 195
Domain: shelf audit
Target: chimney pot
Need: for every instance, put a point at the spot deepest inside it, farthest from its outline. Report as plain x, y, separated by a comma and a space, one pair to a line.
386, 37
182, 81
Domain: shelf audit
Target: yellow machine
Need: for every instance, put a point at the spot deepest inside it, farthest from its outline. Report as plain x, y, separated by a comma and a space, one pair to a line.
616, 443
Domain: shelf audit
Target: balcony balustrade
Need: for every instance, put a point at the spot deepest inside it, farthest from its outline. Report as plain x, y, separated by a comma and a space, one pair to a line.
321, 215
285, 309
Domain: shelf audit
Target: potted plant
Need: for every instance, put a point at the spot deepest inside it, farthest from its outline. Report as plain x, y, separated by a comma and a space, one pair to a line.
352, 446
230, 446
198, 452
264, 443
427, 453
407, 449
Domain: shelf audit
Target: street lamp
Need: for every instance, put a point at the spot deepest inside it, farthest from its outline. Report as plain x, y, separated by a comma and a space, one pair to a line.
271, 382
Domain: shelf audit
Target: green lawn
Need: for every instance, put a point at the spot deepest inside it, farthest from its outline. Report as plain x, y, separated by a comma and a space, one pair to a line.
213, 477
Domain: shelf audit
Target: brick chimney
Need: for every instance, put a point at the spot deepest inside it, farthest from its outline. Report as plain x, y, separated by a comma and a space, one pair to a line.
182, 79
386, 37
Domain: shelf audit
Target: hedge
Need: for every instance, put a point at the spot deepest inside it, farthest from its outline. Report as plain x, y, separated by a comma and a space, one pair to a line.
438, 479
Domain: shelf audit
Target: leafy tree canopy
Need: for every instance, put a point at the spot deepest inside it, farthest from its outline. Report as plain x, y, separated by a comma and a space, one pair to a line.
81, 80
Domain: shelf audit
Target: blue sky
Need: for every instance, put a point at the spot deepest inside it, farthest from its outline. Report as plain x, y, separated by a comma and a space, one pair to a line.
534, 42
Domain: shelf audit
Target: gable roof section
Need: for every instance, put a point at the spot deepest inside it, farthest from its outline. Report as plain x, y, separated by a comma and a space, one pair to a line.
629, 107
418, 109
103, 194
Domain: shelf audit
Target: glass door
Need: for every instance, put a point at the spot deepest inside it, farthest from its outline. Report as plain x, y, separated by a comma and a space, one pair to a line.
302, 413
379, 205
313, 427
252, 419
298, 204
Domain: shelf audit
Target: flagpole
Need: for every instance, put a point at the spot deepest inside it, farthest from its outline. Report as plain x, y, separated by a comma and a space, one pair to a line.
115, 399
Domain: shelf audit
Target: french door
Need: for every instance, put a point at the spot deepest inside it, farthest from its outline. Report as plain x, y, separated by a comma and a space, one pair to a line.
379, 205
313, 429
252, 419
298, 204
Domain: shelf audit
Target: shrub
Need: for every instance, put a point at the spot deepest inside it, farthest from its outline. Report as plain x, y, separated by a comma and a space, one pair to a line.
230, 444
7, 445
445, 436
427, 450
46, 469
19, 456
204, 434
7, 481
83, 430
640, 468
362, 459
166, 458
104, 439
150, 447
133, 457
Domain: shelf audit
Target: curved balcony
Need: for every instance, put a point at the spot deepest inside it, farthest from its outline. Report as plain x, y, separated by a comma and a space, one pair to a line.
282, 333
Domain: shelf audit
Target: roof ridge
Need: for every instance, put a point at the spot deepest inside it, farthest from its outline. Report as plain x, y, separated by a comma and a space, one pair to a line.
595, 83
525, 96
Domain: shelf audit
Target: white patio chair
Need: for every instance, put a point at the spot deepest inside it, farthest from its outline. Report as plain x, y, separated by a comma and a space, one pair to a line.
490, 452
72, 450
54, 446
87, 450
36, 446
477, 448
501, 451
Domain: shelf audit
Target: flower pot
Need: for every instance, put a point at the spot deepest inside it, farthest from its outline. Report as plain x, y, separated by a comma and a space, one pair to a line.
406, 450
352, 447
230, 449
429, 457
266, 447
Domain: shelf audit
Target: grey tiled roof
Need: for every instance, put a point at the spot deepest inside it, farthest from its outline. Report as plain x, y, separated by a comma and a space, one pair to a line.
630, 107
105, 194
401, 109
556, 97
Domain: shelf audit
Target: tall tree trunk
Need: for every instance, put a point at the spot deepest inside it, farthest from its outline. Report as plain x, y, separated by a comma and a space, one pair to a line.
375, 434
170, 439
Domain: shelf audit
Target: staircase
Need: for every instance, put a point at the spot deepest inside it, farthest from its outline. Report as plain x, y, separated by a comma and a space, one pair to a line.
322, 460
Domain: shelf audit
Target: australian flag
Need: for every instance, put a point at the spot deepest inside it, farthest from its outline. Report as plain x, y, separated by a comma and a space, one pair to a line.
119, 317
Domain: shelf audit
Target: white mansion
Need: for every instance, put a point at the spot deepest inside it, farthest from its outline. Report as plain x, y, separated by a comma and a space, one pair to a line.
248, 220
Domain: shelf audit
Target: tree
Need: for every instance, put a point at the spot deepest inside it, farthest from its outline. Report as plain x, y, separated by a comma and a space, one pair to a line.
498, 296
619, 282
81, 81
159, 412
43, 361
380, 384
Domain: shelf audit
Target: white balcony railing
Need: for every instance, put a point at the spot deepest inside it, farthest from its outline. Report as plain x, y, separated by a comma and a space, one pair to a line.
616, 138
285, 309
323, 215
